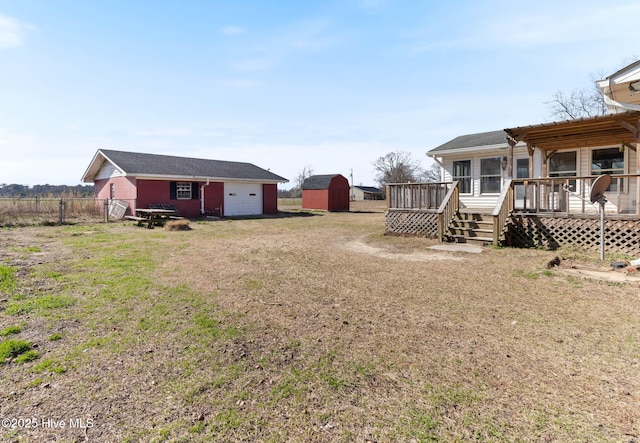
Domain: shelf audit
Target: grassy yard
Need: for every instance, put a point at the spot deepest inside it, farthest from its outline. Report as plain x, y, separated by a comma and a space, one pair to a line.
314, 328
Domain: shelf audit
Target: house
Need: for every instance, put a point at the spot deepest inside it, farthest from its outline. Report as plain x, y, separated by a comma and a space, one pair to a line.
621, 90
531, 185
193, 186
329, 192
479, 163
359, 193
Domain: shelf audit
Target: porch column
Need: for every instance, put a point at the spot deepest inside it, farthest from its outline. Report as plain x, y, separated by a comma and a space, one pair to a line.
511, 143
637, 137
637, 180
530, 150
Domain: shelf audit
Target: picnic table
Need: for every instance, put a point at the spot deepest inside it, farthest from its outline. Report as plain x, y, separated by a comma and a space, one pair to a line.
152, 217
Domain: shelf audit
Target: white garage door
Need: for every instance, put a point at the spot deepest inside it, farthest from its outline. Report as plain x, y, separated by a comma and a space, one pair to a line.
242, 199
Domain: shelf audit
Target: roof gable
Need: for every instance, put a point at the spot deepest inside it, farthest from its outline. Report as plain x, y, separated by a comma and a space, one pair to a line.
138, 164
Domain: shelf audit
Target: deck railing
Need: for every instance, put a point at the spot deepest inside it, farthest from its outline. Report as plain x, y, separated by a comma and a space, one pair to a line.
448, 208
571, 195
417, 196
503, 208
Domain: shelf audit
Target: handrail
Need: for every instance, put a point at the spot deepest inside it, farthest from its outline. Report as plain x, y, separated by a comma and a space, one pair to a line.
448, 208
416, 196
555, 194
503, 208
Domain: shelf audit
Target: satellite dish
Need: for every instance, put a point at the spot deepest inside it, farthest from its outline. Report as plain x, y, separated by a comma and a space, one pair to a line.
598, 188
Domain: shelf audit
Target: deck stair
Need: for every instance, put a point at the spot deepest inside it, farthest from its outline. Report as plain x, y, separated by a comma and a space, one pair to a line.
471, 227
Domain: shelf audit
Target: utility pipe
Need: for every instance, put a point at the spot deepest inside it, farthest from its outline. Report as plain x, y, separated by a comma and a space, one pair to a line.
202, 197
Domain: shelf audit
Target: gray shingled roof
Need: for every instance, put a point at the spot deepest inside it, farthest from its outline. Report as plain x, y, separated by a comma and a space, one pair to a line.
473, 140
136, 163
318, 181
371, 189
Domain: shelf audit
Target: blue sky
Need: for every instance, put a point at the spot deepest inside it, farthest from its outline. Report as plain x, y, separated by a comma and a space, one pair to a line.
289, 84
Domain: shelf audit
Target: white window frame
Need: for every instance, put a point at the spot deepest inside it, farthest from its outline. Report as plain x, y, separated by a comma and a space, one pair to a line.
183, 190
497, 177
568, 173
613, 187
463, 178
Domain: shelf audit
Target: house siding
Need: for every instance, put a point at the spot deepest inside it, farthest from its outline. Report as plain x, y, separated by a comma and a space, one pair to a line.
124, 187
315, 199
214, 198
108, 170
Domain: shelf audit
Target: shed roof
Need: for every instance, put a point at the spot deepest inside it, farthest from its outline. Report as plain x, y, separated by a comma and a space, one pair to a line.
371, 189
491, 138
316, 182
139, 164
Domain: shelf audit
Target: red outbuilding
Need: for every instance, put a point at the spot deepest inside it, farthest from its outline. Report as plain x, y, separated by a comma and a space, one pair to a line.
193, 186
329, 192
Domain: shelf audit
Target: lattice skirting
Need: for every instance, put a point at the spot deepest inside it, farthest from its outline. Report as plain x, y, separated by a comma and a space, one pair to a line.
423, 224
621, 236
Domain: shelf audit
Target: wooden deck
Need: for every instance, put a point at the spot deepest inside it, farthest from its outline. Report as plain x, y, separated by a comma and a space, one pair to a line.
506, 225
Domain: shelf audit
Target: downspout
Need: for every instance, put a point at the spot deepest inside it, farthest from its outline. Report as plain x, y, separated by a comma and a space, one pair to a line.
202, 197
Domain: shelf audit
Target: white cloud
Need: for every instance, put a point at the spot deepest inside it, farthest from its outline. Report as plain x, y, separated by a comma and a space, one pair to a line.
233, 30
12, 32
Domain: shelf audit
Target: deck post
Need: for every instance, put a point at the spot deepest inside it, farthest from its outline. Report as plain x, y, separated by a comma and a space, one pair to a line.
637, 177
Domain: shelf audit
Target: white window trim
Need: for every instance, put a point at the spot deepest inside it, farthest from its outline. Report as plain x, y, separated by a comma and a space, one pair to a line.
499, 176
625, 167
469, 177
185, 192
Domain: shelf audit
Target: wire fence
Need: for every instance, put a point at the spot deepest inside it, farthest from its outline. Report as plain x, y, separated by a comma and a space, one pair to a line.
64, 210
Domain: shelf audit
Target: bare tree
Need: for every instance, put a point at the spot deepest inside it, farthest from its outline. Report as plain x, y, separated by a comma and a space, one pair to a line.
306, 172
582, 103
397, 167
431, 174
579, 103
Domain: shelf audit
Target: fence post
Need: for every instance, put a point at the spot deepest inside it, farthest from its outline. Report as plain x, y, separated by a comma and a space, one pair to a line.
106, 210
61, 210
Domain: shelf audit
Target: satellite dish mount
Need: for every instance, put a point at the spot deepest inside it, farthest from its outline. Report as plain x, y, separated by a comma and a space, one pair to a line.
598, 189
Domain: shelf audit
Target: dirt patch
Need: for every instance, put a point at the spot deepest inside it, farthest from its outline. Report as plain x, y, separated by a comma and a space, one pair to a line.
599, 273
359, 246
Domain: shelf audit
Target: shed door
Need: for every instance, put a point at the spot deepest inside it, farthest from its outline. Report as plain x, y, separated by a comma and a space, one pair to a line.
242, 199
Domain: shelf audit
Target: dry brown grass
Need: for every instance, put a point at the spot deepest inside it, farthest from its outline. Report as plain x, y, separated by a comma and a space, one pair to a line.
278, 330
177, 225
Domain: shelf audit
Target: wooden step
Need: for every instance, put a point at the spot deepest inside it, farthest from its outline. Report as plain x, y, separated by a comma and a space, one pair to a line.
467, 239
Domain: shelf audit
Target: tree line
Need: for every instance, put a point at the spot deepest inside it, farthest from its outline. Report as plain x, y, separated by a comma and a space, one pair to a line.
15, 190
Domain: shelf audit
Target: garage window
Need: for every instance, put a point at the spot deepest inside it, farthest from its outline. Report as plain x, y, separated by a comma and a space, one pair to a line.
183, 191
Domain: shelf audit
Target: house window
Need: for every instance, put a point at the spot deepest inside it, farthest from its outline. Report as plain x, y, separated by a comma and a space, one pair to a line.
462, 174
490, 175
183, 190
608, 161
564, 164
112, 191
